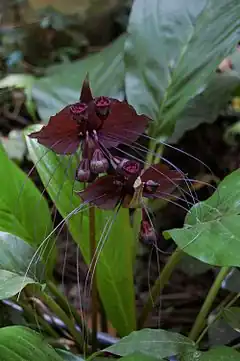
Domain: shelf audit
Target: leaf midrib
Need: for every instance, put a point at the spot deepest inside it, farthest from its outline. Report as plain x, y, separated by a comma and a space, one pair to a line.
184, 50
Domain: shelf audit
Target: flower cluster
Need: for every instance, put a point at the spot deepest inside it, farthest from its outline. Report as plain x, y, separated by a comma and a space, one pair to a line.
99, 125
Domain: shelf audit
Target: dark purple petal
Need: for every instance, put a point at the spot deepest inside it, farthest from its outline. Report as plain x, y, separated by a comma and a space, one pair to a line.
86, 94
61, 133
105, 192
160, 178
123, 124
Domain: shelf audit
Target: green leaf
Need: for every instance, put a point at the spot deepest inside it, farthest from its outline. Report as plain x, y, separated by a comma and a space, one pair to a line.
206, 106
173, 48
115, 263
68, 356
137, 356
115, 270
211, 231
18, 266
220, 354
155, 343
22, 344
23, 210
106, 73
232, 316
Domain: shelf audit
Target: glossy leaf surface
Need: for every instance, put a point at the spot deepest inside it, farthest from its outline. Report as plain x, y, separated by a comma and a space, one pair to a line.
22, 344
173, 49
19, 265
23, 210
154, 343
211, 231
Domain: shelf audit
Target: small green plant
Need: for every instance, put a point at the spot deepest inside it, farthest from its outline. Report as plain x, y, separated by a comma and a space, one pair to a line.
105, 184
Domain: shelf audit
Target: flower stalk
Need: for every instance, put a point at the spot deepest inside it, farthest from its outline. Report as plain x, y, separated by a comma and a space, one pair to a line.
201, 318
94, 294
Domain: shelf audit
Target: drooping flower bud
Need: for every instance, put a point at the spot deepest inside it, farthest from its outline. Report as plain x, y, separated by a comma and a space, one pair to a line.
147, 233
99, 163
79, 111
102, 105
83, 173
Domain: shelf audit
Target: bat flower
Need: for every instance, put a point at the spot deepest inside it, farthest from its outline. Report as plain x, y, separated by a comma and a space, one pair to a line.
130, 184
95, 123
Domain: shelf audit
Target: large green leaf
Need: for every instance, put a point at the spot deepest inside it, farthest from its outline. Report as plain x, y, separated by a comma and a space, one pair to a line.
23, 210
211, 231
22, 344
155, 343
172, 50
220, 354
68, 356
137, 356
19, 265
106, 72
206, 106
115, 263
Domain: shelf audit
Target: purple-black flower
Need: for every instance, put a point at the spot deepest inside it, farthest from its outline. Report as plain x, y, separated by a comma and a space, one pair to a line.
94, 123
130, 184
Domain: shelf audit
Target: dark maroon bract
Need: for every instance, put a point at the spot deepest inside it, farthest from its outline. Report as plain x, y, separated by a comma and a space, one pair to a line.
104, 122
130, 184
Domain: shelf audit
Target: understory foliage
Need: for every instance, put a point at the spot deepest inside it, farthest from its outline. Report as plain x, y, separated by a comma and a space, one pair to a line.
99, 152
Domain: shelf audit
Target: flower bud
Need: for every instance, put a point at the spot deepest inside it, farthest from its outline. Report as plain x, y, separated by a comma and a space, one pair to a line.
147, 233
79, 111
102, 105
83, 173
99, 164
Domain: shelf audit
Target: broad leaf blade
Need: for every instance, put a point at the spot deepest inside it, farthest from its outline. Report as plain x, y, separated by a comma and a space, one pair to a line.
115, 271
106, 72
220, 354
24, 212
22, 344
137, 356
206, 106
68, 356
19, 265
155, 343
11, 283
172, 51
211, 232
115, 263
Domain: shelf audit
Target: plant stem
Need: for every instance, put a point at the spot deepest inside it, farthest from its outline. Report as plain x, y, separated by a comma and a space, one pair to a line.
150, 154
224, 304
159, 285
200, 320
57, 310
159, 153
67, 307
94, 295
